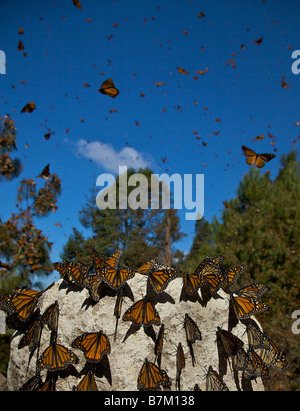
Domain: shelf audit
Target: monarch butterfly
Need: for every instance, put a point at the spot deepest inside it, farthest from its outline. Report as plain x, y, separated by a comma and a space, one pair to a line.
182, 71
192, 334
94, 284
88, 383
231, 275
150, 377
256, 159
116, 278
214, 382
254, 366
272, 357
50, 316
56, 357
45, 174
70, 272
231, 342
142, 313
159, 275
267, 349
192, 282
32, 336
159, 345
108, 88
117, 310
180, 364
77, 3
208, 270
49, 385
20, 302
33, 383
94, 345
29, 107
247, 301
167, 382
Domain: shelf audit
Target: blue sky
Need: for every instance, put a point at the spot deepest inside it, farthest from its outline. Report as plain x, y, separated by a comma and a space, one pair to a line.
67, 47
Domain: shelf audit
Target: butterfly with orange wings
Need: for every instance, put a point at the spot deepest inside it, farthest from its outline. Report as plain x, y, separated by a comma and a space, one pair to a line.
214, 382
192, 334
159, 275
88, 383
247, 302
180, 364
94, 345
150, 377
159, 345
258, 160
71, 273
20, 303
113, 276
231, 275
267, 349
108, 88
142, 313
207, 273
56, 357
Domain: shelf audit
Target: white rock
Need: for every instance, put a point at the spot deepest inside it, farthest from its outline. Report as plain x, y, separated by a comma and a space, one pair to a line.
127, 355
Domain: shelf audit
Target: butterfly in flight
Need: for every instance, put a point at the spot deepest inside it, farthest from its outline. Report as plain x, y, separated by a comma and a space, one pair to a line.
29, 108
253, 158
45, 174
108, 88
142, 313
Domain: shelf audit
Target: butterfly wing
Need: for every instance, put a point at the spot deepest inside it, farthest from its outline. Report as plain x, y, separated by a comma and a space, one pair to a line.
94, 345
142, 313
20, 302
272, 357
50, 316
192, 331
192, 282
245, 307
32, 336
150, 377
161, 277
88, 383
214, 381
116, 278
108, 88
250, 154
57, 357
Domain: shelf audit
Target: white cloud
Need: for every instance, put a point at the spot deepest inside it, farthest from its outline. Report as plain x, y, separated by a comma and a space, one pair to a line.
107, 157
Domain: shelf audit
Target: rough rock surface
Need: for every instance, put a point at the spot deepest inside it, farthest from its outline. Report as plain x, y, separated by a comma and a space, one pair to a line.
3, 383
78, 315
